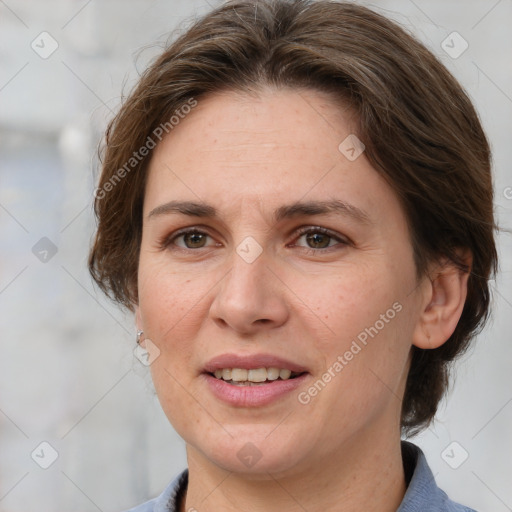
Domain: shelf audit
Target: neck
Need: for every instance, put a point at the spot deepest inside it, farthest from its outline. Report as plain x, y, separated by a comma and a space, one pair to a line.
357, 476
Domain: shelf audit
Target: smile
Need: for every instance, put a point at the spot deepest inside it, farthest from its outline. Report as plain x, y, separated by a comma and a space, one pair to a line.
258, 376
248, 394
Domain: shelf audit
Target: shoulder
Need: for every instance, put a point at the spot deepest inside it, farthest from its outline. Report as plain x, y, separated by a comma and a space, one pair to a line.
168, 501
423, 494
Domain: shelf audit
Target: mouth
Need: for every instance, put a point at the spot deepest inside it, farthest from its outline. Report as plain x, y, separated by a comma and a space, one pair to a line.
252, 381
255, 376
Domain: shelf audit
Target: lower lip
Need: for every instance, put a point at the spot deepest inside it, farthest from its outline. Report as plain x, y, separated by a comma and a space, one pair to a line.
252, 396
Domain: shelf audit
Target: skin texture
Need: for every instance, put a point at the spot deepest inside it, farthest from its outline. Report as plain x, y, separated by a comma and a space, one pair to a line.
247, 156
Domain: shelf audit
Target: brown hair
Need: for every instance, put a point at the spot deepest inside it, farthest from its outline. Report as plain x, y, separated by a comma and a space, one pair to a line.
419, 127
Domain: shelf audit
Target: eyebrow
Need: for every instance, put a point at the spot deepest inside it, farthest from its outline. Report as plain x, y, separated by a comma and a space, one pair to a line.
296, 209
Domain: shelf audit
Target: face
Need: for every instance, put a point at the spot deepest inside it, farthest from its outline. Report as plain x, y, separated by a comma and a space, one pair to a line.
297, 258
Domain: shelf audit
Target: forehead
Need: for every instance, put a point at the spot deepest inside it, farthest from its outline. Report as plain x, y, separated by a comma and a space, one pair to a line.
271, 119
235, 149
238, 129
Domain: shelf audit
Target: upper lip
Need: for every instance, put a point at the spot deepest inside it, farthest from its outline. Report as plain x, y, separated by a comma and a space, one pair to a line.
249, 362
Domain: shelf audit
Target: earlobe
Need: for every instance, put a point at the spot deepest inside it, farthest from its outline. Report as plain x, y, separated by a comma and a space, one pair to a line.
444, 302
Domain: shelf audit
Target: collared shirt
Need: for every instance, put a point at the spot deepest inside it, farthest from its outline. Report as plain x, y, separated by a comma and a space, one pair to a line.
422, 495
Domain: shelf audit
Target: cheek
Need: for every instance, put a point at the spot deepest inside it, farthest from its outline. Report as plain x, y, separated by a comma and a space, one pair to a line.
167, 304
348, 301
166, 298
365, 329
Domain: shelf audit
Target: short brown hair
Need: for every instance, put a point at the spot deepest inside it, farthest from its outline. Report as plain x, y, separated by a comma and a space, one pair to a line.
419, 127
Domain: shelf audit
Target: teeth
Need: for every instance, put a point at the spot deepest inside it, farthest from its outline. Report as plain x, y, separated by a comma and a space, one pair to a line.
259, 375
254, 375
272, 373
238, 374
285, 374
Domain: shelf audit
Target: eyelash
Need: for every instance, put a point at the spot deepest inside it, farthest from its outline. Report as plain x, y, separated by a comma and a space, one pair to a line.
168, 241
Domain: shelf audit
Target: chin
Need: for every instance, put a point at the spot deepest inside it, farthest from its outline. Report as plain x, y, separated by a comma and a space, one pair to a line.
255, 456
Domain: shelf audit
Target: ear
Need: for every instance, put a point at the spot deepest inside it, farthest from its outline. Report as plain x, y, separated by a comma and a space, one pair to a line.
445, 295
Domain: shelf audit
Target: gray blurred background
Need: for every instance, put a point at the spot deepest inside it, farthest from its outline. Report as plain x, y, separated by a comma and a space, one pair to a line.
68, 375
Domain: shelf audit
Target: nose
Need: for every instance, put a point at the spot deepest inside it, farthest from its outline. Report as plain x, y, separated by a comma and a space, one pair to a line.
250, 297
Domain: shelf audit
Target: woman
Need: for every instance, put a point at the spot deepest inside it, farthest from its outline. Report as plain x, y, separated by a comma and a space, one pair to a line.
296, 202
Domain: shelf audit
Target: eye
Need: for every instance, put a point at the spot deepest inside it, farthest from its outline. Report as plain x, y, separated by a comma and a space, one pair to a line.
191, 238
319, 239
